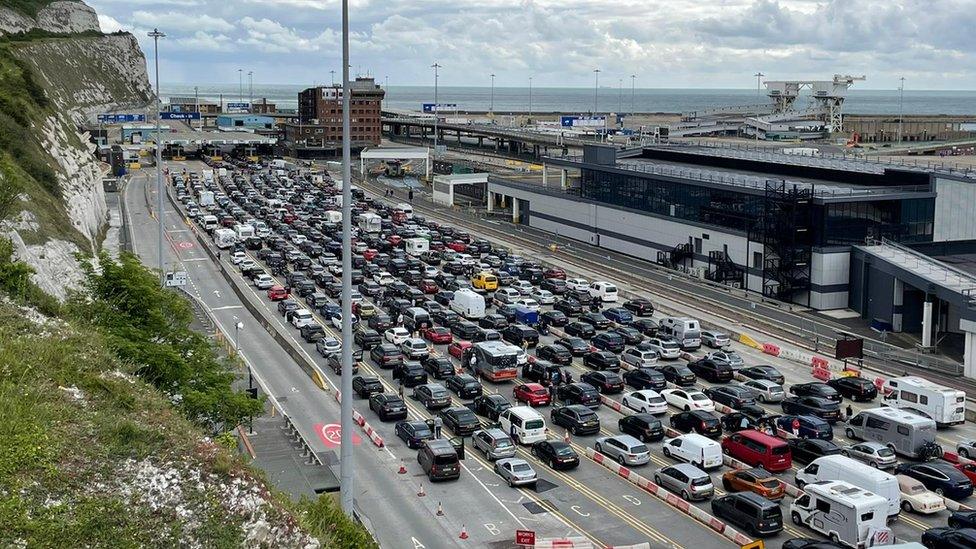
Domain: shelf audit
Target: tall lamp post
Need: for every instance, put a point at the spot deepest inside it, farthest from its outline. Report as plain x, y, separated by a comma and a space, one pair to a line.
250, 90
596, 90
435, 66
901, 106
240, 85
347, 467
156, 35
491, 101
633, 92
530, 98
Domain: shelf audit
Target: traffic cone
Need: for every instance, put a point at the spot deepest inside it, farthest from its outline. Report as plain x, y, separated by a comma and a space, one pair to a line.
440, 510
421, 493
403, 469
464, 533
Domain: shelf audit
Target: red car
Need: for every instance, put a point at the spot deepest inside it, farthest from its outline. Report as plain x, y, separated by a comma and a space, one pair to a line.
532, 394
394, 240
968, 469
428, 286
370, 253
437, 246
457, 348
438, 334
555, 272
277, 293
458, 246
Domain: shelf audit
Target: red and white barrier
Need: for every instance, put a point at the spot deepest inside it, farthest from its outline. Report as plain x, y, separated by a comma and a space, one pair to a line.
616, 406
575, 542
361, 421
669, 498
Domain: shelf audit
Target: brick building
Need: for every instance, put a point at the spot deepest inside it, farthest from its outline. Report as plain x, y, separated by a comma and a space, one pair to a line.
319, 127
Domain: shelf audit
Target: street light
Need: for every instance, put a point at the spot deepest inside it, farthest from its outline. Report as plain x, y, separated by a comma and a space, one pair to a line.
530, 98
491, 102
332, 72
250, 90
435, 66
240, 85
596, 89
758, 76
346, 466
633, 89
156, 35
901, 106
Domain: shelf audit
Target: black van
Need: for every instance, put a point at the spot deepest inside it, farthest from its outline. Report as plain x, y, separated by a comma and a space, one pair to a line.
439, 460
520, 334
751, 512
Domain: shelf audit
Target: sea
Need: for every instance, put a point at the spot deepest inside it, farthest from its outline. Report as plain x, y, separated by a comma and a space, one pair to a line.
607, 99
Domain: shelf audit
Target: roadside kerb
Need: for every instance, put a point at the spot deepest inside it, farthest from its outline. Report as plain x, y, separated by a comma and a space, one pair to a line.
672, 500
361, 421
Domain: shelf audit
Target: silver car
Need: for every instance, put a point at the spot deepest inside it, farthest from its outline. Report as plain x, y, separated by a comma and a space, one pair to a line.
875, 454
731, 358
715, 340
494, 443
765, 390
684, 478
516, 471
626, 449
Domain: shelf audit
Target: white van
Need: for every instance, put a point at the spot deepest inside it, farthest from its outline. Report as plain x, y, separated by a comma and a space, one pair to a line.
468, 303
405, 208
416, 246
845, 513
700, 451
859, 474
686, 330
604, 291
210, 223
945, 405
524, 424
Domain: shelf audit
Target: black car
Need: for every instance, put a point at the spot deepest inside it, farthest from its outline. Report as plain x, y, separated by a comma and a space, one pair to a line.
569, 307
464, 329
386, 355
579, 393
460, 420
577, 346
607, 382
948, 538
578, 419
646, 326
540, 370
367, 338
555, 319
962, 519
733, 396
816, 389
334, 362
444, 317
805, 450
632, 336
715, 371
554, 285
643, 427
556, 454
940, 477
763, 372
734, 422
414, 433
854, 388
580, 329
678, 374
388, 406
608, 341
380, 322
366, 386
598, 321
493, 321
444, 297
490, 406
750, 512
601, 360
826, 410
465, 386
439, 367
312, 332
410, 373
699, 421
554, 353
521, 335
645, 378
639, 306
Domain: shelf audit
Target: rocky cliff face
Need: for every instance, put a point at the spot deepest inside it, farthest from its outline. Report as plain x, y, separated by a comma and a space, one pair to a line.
61, 16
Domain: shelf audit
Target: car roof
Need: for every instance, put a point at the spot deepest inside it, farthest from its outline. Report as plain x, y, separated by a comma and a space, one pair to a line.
689, 470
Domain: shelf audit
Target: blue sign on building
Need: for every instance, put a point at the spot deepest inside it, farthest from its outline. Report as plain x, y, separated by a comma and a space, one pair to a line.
429, 107
109, 118
588, 121
238, 106
179, 116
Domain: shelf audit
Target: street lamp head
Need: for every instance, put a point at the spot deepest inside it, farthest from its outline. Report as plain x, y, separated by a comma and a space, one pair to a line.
156, 34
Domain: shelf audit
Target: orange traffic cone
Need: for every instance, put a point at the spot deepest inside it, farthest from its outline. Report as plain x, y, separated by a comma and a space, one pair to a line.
440, 510
403, 469
464, 533
421, 493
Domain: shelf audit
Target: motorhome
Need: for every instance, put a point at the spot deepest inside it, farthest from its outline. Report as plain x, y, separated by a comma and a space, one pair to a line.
945, 405
416, 246
243, 231
847, 514
687, 331
901, 430
862, 475
370, 222
225, 238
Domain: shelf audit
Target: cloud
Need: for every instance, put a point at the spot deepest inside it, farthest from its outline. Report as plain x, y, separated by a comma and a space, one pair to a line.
273, 37
108, 23
205, 41
173, 21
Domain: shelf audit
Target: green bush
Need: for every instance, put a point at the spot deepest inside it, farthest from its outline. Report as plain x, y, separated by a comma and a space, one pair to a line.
323, 517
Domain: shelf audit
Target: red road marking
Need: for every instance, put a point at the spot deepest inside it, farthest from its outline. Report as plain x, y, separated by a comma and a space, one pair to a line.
185, 245
331, 435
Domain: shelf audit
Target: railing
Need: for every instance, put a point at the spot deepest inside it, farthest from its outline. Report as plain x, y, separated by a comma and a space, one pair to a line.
931, 263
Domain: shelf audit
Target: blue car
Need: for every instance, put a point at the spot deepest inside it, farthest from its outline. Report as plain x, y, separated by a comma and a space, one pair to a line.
330, 310
619, 315
810, 426
940, 477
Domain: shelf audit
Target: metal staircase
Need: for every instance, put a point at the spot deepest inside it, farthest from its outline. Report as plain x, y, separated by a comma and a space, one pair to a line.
787, 241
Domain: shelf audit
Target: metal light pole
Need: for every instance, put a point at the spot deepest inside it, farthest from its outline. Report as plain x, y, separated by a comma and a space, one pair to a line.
596, 90
901, 106
491, 102
530, 98
346, 470
386, 82
240, 85
758, 76
250, 90
435, 66
332, 72
620, 95
156, 35
633, 92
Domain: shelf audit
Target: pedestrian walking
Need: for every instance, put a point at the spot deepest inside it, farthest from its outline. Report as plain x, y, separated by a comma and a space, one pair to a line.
850, 412
410, 195
218, 255
552, 393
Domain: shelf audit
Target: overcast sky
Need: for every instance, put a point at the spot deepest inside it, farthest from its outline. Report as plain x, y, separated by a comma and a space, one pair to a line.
666, 43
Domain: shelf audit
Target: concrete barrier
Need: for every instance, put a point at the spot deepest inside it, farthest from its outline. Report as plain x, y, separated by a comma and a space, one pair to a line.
616, 406
669, 498
574, 542
361, 421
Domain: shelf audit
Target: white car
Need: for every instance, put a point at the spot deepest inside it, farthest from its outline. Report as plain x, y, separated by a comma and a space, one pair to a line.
383, 278
263, 281
523, 287
335, 268
298, 238
396, 335
580, 284
916, 498
523, 358
431, 272
545, 297
688, 399
337, 321
247, 264
528, 303
665, 347
766, 391
645, 401
466, 260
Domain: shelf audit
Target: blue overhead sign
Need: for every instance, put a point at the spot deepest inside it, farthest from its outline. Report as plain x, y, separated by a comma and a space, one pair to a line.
586, 121
429, 107
110, 118
179, 116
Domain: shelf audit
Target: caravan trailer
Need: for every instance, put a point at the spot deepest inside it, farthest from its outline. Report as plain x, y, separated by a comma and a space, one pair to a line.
946, 406
846, 514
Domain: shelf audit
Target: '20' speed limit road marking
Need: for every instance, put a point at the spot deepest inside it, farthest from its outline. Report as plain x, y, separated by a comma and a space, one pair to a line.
331, 434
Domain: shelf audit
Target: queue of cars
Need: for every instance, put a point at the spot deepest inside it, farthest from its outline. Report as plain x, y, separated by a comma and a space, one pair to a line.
302, 249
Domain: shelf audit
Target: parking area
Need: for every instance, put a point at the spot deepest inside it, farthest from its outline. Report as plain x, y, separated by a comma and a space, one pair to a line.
590, 362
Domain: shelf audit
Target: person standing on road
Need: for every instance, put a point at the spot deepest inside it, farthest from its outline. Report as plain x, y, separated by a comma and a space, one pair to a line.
552, 393
410, 195
850, 412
